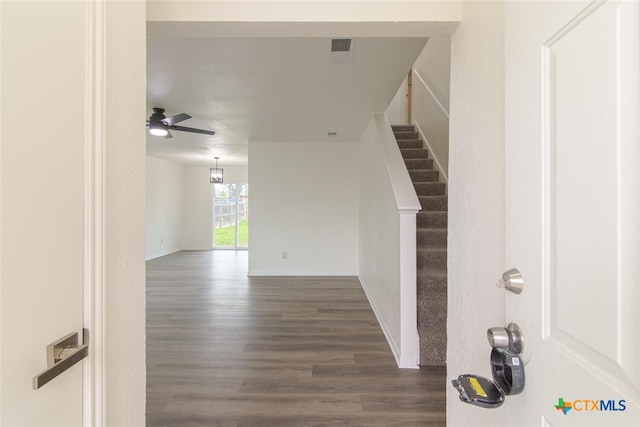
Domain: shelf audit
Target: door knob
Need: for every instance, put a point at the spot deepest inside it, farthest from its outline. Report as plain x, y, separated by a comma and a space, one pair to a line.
508, 339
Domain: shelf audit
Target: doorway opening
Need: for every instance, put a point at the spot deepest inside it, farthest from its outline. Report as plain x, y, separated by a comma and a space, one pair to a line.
231, 216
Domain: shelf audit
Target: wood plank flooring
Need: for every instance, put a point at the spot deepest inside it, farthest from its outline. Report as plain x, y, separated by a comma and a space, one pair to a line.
224, 349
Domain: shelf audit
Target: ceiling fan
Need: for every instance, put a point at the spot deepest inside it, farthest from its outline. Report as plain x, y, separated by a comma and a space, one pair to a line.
159, 124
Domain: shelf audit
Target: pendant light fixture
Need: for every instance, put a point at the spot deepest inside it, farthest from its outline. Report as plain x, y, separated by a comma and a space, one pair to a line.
216, 174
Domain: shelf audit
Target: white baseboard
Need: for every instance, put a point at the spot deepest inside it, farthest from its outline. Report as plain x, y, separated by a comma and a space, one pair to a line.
301, 273
395, 349
163, 253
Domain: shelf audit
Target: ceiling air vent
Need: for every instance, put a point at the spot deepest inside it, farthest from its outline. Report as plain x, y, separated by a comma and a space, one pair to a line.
341, 51
340, 45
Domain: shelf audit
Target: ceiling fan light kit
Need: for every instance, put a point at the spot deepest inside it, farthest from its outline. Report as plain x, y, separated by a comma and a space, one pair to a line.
160, 125
158, 129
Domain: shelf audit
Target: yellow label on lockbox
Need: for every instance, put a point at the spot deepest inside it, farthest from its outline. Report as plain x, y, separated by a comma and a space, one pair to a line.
477, 387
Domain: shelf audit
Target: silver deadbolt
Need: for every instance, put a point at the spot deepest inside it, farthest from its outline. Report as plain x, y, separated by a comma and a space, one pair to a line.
510, 338
512, 281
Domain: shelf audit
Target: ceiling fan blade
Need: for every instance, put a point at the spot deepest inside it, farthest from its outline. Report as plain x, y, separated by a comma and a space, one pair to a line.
193, 130
168, 135
176, 119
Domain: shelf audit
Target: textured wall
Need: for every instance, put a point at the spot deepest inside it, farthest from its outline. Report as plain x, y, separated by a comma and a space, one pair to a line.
124, 270
476, 201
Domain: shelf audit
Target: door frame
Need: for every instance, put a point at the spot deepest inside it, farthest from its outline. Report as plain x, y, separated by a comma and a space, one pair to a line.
235, 247
93, 283
122, 165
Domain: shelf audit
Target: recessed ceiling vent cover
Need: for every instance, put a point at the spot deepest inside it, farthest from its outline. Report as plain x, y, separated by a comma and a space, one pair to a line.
340, 51
340, 45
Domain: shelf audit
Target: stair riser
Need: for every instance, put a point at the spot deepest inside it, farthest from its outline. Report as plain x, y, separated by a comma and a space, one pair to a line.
430, 188
431, 219
432, 259
406, 135
431, 238
432, 311
433, 347
410, 143
433, 203
418, 164
413, 153
424, 175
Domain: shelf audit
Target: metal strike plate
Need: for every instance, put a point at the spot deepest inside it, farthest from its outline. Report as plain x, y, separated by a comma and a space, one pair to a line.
61, 355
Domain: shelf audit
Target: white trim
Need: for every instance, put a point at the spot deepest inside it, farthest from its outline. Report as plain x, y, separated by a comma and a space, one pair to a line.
163, 253
395, 349
302, 274
1, 234
93, 274
409, 338
402, 361
399, 178
432, 93
435, 159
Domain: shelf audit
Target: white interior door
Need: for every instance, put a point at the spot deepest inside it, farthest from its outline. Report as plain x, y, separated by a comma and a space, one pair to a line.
43, 135
573, 209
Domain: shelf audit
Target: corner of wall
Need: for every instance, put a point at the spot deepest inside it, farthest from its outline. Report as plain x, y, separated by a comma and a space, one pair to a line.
476, 200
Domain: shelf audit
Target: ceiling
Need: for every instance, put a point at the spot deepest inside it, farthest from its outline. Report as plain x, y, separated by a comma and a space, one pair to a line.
268, 89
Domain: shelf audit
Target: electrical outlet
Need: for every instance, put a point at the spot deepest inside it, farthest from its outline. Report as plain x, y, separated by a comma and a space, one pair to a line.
284, 255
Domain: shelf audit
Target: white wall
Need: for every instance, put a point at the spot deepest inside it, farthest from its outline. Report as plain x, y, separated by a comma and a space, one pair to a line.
397, 109
164, 207
122, 349
476, 201
433, 64
303, 201
430, 99
387, 238
197, 226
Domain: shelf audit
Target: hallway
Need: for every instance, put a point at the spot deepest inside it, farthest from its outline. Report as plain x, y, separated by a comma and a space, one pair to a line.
224, 349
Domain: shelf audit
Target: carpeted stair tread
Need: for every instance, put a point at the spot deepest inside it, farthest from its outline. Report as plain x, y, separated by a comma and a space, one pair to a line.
437, 273
432, 257
432, 219
414, 153
406, 135
433, 203
402, 128
430, 304
418, 164
424, 175
431, 237
410, 143
428, 280
430, 188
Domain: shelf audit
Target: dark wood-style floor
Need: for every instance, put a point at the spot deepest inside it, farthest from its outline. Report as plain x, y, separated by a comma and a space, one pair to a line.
227, 350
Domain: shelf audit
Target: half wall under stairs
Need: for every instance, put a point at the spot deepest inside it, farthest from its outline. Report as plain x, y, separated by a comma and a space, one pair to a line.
431, 246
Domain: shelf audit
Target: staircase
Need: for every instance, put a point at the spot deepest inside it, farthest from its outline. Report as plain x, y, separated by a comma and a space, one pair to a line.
431, 228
